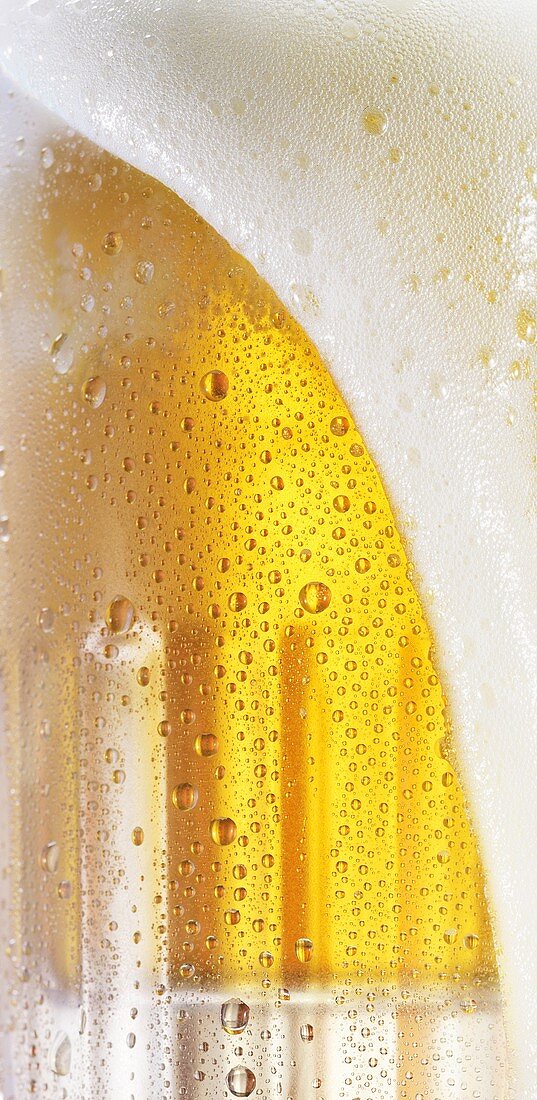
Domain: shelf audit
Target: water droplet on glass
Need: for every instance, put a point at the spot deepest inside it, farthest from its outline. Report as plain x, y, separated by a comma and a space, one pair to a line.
223, 830
185, 796
206, 744
315, 597
60, 1054
120, 615
45, 620
214, 385
241, 1081
234, 1015
61, 353
304, 949
50, 857
112, 243
306, 1032
94, 391
144, 272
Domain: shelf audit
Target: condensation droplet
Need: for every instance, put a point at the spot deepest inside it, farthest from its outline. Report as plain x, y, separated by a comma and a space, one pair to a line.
144, 271
50, 857
223, 830
304, 949
112, 243
185, 796
315, 597
120, 615
241, 1081
214, 385
94, 391
60, 1054
234, 1015
206, 744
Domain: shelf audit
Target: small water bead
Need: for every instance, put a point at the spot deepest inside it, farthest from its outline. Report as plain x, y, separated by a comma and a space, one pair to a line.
206, 744
363, 565
50, 857
266, 959
94, 391
185, 796
144, 271
4, 528
315, 597
61, 353
59, 1056
339, 425
143, 676
342, 503
119, 615
234, 1015
304, 949
241, 1081
112, 243
214, 385
223, 830
45, 620
237, 601
137, 836
64, 890
306, 1033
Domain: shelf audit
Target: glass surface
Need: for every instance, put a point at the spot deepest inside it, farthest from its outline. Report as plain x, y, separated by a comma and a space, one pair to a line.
239, 856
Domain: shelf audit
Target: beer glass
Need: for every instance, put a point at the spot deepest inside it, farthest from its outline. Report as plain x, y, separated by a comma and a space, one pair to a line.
267, 639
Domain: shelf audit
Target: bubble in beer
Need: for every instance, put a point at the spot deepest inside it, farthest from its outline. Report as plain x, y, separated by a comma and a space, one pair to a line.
223, 830
94, 391
304, 949
185, 796
120, 615
315, 597
214, 385
241, 1081
234, 1015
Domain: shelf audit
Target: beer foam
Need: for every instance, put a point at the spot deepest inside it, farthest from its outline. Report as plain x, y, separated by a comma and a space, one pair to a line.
377, 164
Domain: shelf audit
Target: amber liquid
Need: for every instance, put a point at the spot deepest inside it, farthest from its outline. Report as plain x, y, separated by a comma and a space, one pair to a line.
230, 752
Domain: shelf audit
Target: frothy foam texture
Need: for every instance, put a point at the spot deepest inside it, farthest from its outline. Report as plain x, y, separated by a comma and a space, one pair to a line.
376, 162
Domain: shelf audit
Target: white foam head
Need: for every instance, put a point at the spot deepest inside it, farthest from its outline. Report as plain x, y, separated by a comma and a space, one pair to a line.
408, 255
